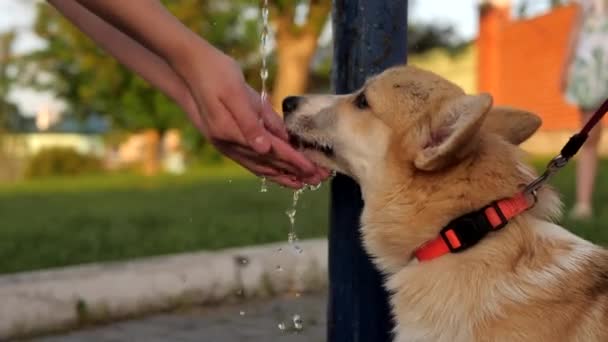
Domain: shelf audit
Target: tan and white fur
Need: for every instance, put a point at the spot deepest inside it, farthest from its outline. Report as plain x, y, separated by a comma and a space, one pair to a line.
425, 153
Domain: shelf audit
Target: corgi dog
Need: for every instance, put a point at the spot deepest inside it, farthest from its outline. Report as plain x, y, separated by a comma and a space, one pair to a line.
425, 154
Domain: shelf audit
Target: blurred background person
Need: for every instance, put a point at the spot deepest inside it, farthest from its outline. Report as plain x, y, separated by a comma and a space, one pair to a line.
585, 82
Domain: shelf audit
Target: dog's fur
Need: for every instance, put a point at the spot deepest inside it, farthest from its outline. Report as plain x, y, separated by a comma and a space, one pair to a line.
425, 153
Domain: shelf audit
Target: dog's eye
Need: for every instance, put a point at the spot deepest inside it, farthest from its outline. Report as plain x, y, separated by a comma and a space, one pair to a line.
361, 101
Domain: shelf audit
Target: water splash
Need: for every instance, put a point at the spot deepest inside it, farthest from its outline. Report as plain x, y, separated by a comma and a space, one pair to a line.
295, 326
298, 323
242, 313
314, 187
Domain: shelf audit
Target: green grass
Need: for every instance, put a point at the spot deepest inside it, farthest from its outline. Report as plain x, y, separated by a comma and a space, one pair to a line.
58, 222
61, 222
596, 229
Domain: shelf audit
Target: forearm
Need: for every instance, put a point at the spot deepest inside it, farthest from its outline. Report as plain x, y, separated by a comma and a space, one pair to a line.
127, 51
149, 22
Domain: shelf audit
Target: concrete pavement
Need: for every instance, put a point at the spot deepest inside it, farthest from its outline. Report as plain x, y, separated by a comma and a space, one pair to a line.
39, 302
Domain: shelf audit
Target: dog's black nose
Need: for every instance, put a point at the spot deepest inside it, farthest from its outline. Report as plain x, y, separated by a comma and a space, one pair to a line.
290, 104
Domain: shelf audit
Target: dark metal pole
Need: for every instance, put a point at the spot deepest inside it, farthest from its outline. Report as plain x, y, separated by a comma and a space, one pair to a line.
369, 36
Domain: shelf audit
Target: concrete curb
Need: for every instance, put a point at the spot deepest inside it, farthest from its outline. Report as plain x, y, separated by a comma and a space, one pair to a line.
38, 302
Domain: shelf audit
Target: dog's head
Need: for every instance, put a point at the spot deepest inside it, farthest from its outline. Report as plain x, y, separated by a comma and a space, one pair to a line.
423, 151
423, 119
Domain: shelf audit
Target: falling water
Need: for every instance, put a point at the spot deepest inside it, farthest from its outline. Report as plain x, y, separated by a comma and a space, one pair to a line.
292, 237
264, 69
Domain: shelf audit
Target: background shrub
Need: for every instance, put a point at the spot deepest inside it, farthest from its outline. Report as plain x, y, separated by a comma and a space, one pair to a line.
61, 161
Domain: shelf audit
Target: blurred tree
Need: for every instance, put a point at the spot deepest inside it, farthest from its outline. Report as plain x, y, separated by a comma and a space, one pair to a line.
7, 109
298, 25
423, 37
74, 69
77, 71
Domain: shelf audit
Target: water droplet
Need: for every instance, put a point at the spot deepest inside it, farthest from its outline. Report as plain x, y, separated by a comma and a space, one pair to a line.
298, 323
263, 185
241, 260
281, 326
292, 237
264, 74
242, 313
315, 187
291, 213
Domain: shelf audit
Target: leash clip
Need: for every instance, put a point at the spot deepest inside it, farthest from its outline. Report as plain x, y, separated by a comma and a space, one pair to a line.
553, 167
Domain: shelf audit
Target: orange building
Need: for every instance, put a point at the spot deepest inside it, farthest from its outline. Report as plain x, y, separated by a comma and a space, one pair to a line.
520, 62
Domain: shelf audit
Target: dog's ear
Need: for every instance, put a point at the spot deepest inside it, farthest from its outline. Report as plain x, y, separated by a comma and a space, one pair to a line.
452, 130
515, 125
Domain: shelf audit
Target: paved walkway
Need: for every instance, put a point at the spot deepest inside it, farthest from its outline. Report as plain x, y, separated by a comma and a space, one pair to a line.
249, 322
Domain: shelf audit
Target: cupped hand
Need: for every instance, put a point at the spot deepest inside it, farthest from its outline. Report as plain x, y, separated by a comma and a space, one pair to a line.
236, 121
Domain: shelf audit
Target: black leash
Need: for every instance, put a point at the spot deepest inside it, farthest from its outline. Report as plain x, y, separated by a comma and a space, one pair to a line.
568, 151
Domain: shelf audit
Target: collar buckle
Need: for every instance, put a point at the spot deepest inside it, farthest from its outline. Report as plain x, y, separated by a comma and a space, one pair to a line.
467, 230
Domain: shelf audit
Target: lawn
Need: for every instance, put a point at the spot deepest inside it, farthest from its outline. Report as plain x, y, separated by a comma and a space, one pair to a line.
59, 222
101, 218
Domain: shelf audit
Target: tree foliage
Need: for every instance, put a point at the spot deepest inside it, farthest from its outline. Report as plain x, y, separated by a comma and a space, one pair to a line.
422, 37
7, 108
74, 69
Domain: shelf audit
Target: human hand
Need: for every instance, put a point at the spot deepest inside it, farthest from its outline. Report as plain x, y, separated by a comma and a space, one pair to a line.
234, 119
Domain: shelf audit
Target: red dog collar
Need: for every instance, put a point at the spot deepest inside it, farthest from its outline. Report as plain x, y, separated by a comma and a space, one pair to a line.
468, 230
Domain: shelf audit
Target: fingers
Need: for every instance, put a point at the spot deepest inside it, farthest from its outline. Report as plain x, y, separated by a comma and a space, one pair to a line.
283, 157
283, 151
256, 168
266, 159
323, 173
252, 165
245, 114
222, 127
272, 120
287, 181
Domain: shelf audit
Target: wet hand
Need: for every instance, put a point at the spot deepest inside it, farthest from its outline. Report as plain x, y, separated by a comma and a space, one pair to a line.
234, 119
